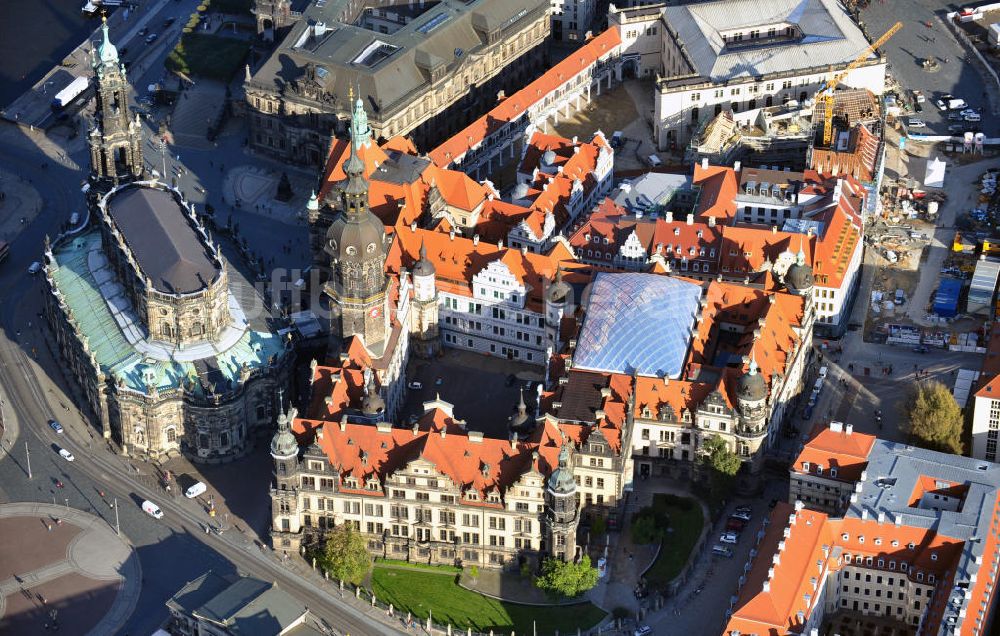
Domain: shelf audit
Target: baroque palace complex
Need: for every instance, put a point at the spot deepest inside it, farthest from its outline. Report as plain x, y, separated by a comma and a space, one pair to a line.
660, 313
670, 310
699, 323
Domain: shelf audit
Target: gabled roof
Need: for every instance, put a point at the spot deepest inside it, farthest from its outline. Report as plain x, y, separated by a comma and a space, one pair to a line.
517, 104
838, 447
482, 464
718, 191
457, 259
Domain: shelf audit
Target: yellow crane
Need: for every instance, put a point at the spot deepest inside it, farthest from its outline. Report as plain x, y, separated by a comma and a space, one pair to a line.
824, 97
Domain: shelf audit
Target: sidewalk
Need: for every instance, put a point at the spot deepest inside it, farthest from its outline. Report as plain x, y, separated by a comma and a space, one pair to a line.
20, 203
627, 562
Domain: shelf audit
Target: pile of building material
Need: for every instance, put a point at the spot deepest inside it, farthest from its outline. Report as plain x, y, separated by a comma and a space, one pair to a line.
989, 183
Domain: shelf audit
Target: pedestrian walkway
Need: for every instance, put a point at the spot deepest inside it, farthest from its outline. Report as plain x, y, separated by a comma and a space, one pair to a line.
253, 188
197, 111
19, 204
66, 567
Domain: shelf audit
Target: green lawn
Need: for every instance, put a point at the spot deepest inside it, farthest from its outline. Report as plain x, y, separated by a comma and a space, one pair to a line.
209, 56
423, 591
686, 520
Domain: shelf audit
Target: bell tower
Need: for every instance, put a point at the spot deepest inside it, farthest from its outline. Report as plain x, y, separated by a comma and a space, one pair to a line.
356, 245
116, 139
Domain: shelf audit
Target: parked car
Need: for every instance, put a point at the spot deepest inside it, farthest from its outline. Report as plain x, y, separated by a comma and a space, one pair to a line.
823, 371
969, 111
56, 426
921, 349
723, 551
143, 31
34, 268
644, 630
735, 525
196, 489
742, 516
151, 38
729, 537
972, 117
416, 385
954, 117
65, 454
913, 122
169, 22
744, 508
956, 128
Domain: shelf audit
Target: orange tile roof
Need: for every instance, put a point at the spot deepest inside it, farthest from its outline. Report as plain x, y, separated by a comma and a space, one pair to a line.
718, 191
488, 465
829, 448
613, 225
518, 103
457, 259
777, 598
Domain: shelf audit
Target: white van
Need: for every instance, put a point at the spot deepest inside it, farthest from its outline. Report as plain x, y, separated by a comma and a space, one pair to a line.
823, 371
654, 161
195, 490
152, 509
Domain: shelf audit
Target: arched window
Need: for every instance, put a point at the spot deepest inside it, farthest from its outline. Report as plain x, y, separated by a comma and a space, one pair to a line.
171, 435
197, 329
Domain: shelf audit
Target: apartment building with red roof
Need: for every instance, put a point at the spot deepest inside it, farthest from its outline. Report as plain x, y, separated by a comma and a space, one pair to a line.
660, 364
916, 544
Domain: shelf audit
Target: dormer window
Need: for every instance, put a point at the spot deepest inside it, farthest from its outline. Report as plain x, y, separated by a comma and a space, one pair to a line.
805, 466
677, 231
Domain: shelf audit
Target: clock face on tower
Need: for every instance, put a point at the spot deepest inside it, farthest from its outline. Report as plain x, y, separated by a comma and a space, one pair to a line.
375, 312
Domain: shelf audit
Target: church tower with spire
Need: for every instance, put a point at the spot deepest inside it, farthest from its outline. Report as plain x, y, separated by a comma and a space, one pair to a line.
356, 245
116, 138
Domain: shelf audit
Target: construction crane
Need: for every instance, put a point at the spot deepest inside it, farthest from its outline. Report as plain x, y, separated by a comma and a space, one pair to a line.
825, 94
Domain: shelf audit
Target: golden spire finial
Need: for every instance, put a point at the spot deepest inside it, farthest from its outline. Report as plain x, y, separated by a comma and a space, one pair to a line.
350, 94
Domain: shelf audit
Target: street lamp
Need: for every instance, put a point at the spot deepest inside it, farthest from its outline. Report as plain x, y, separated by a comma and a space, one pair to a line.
27, 456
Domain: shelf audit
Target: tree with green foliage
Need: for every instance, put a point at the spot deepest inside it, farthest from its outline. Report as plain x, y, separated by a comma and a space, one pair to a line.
721, 464
345, 555
934, 419
717, 456
565, 578
474, 572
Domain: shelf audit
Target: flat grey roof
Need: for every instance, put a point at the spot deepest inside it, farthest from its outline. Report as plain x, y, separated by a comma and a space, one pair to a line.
167, 247
827, 36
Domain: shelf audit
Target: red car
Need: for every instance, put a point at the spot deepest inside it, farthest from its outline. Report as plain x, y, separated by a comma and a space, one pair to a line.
735, 525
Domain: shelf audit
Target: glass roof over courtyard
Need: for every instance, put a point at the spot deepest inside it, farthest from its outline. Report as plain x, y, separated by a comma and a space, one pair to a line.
637, 322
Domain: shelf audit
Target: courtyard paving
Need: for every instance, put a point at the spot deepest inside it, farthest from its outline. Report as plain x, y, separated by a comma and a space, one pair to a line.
65, 567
